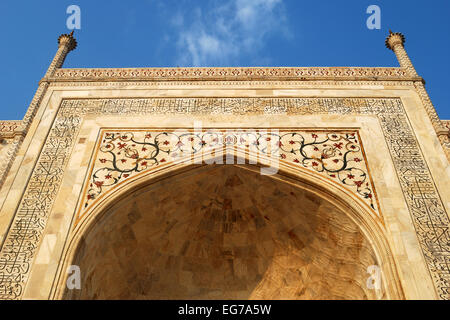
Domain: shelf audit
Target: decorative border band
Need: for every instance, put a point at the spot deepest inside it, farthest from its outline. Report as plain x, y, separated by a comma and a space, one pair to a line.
253, 73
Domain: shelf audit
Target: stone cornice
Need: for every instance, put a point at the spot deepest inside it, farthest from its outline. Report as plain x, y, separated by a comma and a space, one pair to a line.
11, 128
253, 73
446, 124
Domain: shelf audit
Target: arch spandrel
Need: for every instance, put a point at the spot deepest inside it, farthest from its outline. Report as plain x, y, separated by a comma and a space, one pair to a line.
121, 155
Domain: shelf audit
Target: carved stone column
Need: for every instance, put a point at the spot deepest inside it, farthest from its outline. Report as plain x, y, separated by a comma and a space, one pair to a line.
396, 42
66, 43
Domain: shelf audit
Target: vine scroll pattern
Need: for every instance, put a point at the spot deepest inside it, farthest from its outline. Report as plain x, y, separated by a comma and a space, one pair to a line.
425, 205
251, 73
337, 155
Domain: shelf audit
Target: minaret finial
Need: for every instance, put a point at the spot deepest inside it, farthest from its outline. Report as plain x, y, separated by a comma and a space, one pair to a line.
393, 39
69, 40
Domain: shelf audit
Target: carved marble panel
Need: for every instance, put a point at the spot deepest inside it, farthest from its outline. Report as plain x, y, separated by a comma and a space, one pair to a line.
122, 154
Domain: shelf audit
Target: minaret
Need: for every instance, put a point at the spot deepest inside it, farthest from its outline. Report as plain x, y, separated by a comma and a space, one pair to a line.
396, 42
66, 43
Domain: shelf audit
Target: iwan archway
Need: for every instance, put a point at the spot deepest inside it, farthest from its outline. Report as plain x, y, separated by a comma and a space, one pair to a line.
228, 232
58, 189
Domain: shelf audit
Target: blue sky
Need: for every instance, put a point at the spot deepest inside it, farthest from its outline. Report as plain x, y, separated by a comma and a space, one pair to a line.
170, 33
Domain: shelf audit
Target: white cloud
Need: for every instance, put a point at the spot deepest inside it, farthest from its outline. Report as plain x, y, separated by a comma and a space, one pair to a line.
248, 11
226, 33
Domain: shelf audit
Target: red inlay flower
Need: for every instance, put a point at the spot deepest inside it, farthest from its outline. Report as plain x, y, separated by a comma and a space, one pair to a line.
280, 144
333, 175
358, 183
314, 135
126, 175
315, 164
316, 149
162, 160
338, 145
98, 183
292, 142
144, 163
357, 159
350, 176
144, 149
108, 176
296, 161
268, 139
148, 135
102, 160
123, 160
283, 156
122, 145
336, 160
166, 142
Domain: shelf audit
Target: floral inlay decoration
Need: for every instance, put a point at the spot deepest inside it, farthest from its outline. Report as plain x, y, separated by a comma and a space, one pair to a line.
336, 154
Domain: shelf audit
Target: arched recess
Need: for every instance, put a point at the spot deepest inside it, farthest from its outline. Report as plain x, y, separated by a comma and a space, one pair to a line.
332, 220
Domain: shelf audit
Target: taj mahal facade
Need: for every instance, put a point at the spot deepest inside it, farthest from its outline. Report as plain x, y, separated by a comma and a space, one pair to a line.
226, 183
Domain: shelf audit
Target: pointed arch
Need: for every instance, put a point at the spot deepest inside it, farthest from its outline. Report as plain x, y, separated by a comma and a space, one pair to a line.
357, 210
